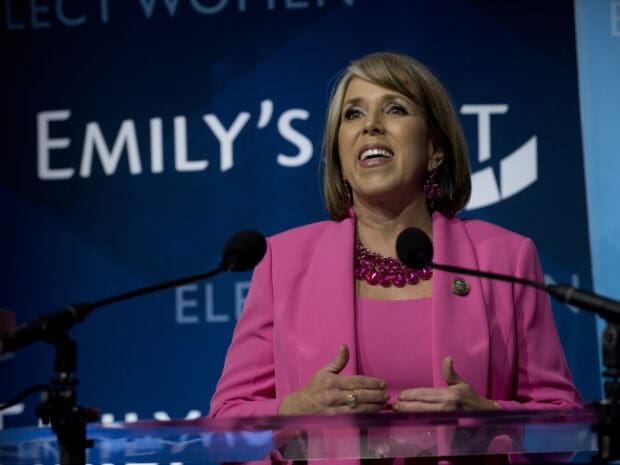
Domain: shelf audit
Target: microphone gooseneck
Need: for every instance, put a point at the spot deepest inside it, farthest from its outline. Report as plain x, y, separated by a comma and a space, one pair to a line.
241, 252
415, 250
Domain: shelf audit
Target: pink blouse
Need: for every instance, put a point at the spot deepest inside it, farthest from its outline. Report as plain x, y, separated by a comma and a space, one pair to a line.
394, 342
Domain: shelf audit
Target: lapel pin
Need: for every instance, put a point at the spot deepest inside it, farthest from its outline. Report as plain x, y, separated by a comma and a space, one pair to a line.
460, 287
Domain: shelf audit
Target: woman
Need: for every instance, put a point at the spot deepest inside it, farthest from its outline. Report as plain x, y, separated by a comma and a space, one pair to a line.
332, 323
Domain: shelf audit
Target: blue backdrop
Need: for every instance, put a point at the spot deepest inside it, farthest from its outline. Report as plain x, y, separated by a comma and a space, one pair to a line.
138, 135
598, 39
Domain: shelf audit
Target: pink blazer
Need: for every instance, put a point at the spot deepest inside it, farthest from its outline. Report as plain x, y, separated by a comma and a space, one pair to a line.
300, 309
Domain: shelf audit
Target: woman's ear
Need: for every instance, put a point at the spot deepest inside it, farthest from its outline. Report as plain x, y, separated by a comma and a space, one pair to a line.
436, 157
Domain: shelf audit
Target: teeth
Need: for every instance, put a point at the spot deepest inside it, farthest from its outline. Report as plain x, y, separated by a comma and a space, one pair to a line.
375, 152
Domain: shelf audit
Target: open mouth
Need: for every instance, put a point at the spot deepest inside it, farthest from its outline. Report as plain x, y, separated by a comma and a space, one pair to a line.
375, 153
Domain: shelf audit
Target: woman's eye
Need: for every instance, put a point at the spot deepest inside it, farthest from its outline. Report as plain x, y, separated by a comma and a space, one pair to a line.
352, 113
396, 110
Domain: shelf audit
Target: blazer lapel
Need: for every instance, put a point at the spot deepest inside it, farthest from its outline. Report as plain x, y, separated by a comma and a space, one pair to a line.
460, 323
328, 316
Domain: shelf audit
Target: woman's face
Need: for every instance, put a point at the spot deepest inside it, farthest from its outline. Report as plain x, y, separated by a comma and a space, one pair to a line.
384, 143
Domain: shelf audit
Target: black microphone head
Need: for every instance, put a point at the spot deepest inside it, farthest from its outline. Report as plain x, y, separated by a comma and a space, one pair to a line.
243, 251
414, 248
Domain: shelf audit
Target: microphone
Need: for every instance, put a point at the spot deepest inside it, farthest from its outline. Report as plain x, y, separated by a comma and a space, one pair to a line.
415, 250
242, 252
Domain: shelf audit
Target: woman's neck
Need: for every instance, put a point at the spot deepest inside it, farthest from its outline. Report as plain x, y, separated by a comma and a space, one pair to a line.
378, 228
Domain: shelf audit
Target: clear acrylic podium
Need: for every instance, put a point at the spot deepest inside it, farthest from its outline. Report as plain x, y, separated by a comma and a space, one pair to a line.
561, 435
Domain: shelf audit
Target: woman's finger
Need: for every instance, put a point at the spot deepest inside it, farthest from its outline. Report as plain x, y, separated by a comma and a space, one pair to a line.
417, 406
428, 395
350, 382
366, 396
341, 360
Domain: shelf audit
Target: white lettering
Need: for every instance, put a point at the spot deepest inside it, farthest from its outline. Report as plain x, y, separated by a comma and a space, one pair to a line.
94, 144
16, 409
157, 145
321, 3
266, 111
66, 20
107, 418
295, 4
34, 15
181, 163
187, 302
45, 144
242, 4
484, 113
40, 14
241, 292
182, 303
93, 138
193, 415
208, 10
10, 24
160, 415
302, 142
105, 11
210, 315
149, 5
226, 138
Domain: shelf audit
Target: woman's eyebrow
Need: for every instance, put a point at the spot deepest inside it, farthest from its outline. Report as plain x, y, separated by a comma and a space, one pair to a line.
353, 101
385, 97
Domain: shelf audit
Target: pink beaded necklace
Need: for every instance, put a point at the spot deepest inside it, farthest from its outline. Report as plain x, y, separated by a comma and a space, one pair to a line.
376, 269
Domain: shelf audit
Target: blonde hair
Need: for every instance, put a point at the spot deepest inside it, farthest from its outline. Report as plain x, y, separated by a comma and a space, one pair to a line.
403, 74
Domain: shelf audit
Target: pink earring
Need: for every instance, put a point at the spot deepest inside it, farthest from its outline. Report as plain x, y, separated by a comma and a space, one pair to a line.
431, 187
346, 187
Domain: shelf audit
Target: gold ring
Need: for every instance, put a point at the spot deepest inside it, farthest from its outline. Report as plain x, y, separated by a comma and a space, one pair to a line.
351, 399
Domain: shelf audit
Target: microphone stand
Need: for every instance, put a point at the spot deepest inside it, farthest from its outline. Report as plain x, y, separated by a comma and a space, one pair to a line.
59, 407
608, 410
607, 426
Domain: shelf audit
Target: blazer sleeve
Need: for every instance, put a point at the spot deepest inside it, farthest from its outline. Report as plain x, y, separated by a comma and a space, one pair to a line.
247, 384
542, 378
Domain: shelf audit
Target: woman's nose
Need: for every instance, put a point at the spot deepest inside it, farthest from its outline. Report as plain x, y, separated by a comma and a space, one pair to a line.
373, 124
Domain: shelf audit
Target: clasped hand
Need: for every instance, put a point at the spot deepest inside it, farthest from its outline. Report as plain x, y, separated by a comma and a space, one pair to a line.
330, 392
